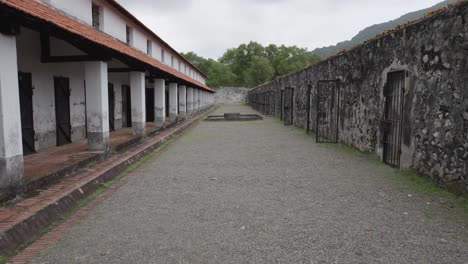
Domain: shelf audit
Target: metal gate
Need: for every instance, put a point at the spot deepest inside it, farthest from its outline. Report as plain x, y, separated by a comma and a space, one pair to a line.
281, 105
111, 100
288, 106
328, 104
272, 98
62, 110
309, 107
392, 125
26, 109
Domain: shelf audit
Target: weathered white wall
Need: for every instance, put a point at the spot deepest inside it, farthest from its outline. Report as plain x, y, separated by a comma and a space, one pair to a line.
43, 83
139, 40
114, 24
79, 9
156, 51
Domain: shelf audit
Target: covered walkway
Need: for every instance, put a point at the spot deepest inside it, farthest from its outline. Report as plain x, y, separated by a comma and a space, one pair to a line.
260, 192
51, 164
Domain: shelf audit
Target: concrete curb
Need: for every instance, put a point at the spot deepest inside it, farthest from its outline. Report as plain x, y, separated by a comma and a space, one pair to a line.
29, 218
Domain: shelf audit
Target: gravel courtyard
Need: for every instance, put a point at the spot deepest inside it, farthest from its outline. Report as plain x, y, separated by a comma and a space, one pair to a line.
260, 192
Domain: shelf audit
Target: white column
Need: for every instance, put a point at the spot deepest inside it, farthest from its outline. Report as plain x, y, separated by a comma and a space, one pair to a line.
182, 101
202, 94
189, 101
11, 146
204, 99
200, 106
137, 87
195, 100
97, 105
160, 102
173, 104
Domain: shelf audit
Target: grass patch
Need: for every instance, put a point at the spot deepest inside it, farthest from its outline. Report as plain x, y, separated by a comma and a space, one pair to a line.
453, 207
354, 152
409, 180
413, 181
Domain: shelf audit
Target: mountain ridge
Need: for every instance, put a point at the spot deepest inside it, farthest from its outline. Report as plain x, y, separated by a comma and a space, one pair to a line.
376, 29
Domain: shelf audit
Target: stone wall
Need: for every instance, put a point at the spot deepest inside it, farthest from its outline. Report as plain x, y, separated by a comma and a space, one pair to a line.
231, 95
434, 133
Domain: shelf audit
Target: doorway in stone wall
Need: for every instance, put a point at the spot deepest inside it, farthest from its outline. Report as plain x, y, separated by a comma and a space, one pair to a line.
271, 102
288, 106
328, 104
394, 92
282, 105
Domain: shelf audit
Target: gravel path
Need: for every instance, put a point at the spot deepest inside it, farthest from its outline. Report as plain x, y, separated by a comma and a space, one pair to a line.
260, 192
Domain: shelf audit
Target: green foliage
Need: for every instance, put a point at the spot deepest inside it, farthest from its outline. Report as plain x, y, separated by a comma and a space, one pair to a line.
252, 64
260, 71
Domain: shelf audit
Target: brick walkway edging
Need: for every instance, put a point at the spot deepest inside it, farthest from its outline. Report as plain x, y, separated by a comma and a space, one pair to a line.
25, 221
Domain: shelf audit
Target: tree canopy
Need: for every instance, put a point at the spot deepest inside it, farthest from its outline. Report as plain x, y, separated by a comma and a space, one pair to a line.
252, 64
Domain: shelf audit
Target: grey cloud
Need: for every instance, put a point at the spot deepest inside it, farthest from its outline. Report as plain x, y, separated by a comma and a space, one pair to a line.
209, 27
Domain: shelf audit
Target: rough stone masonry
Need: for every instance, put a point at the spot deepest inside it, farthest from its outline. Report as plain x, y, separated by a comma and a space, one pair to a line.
433, 54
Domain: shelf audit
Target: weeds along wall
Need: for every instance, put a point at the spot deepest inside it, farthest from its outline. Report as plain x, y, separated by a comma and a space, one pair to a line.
432, 54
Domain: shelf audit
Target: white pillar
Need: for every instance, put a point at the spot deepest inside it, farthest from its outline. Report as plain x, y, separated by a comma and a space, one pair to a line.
200, 106
11, 146
182, 101
195, 100
173, 104
97, 105
202, 93
160, 102
189, 101
137, 87
204, 99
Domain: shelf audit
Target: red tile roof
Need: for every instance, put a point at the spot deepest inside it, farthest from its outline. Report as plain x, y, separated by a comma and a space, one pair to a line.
40, 11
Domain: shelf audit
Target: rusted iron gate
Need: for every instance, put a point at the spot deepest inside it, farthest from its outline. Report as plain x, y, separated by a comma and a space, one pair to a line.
288, 106
309, 106
328, 105
394, 92
270, 102
256, 101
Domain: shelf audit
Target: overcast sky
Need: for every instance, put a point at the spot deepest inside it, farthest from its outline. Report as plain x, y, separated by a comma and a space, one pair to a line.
209, 27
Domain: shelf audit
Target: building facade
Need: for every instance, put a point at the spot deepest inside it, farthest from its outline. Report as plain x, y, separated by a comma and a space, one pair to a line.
74, 70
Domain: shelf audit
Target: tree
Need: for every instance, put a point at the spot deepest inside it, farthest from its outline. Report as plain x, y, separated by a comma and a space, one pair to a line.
220, 75
260, 71
200, 62
252, 64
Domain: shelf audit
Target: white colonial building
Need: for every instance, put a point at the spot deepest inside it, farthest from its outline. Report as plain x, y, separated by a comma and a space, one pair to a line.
75, 70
